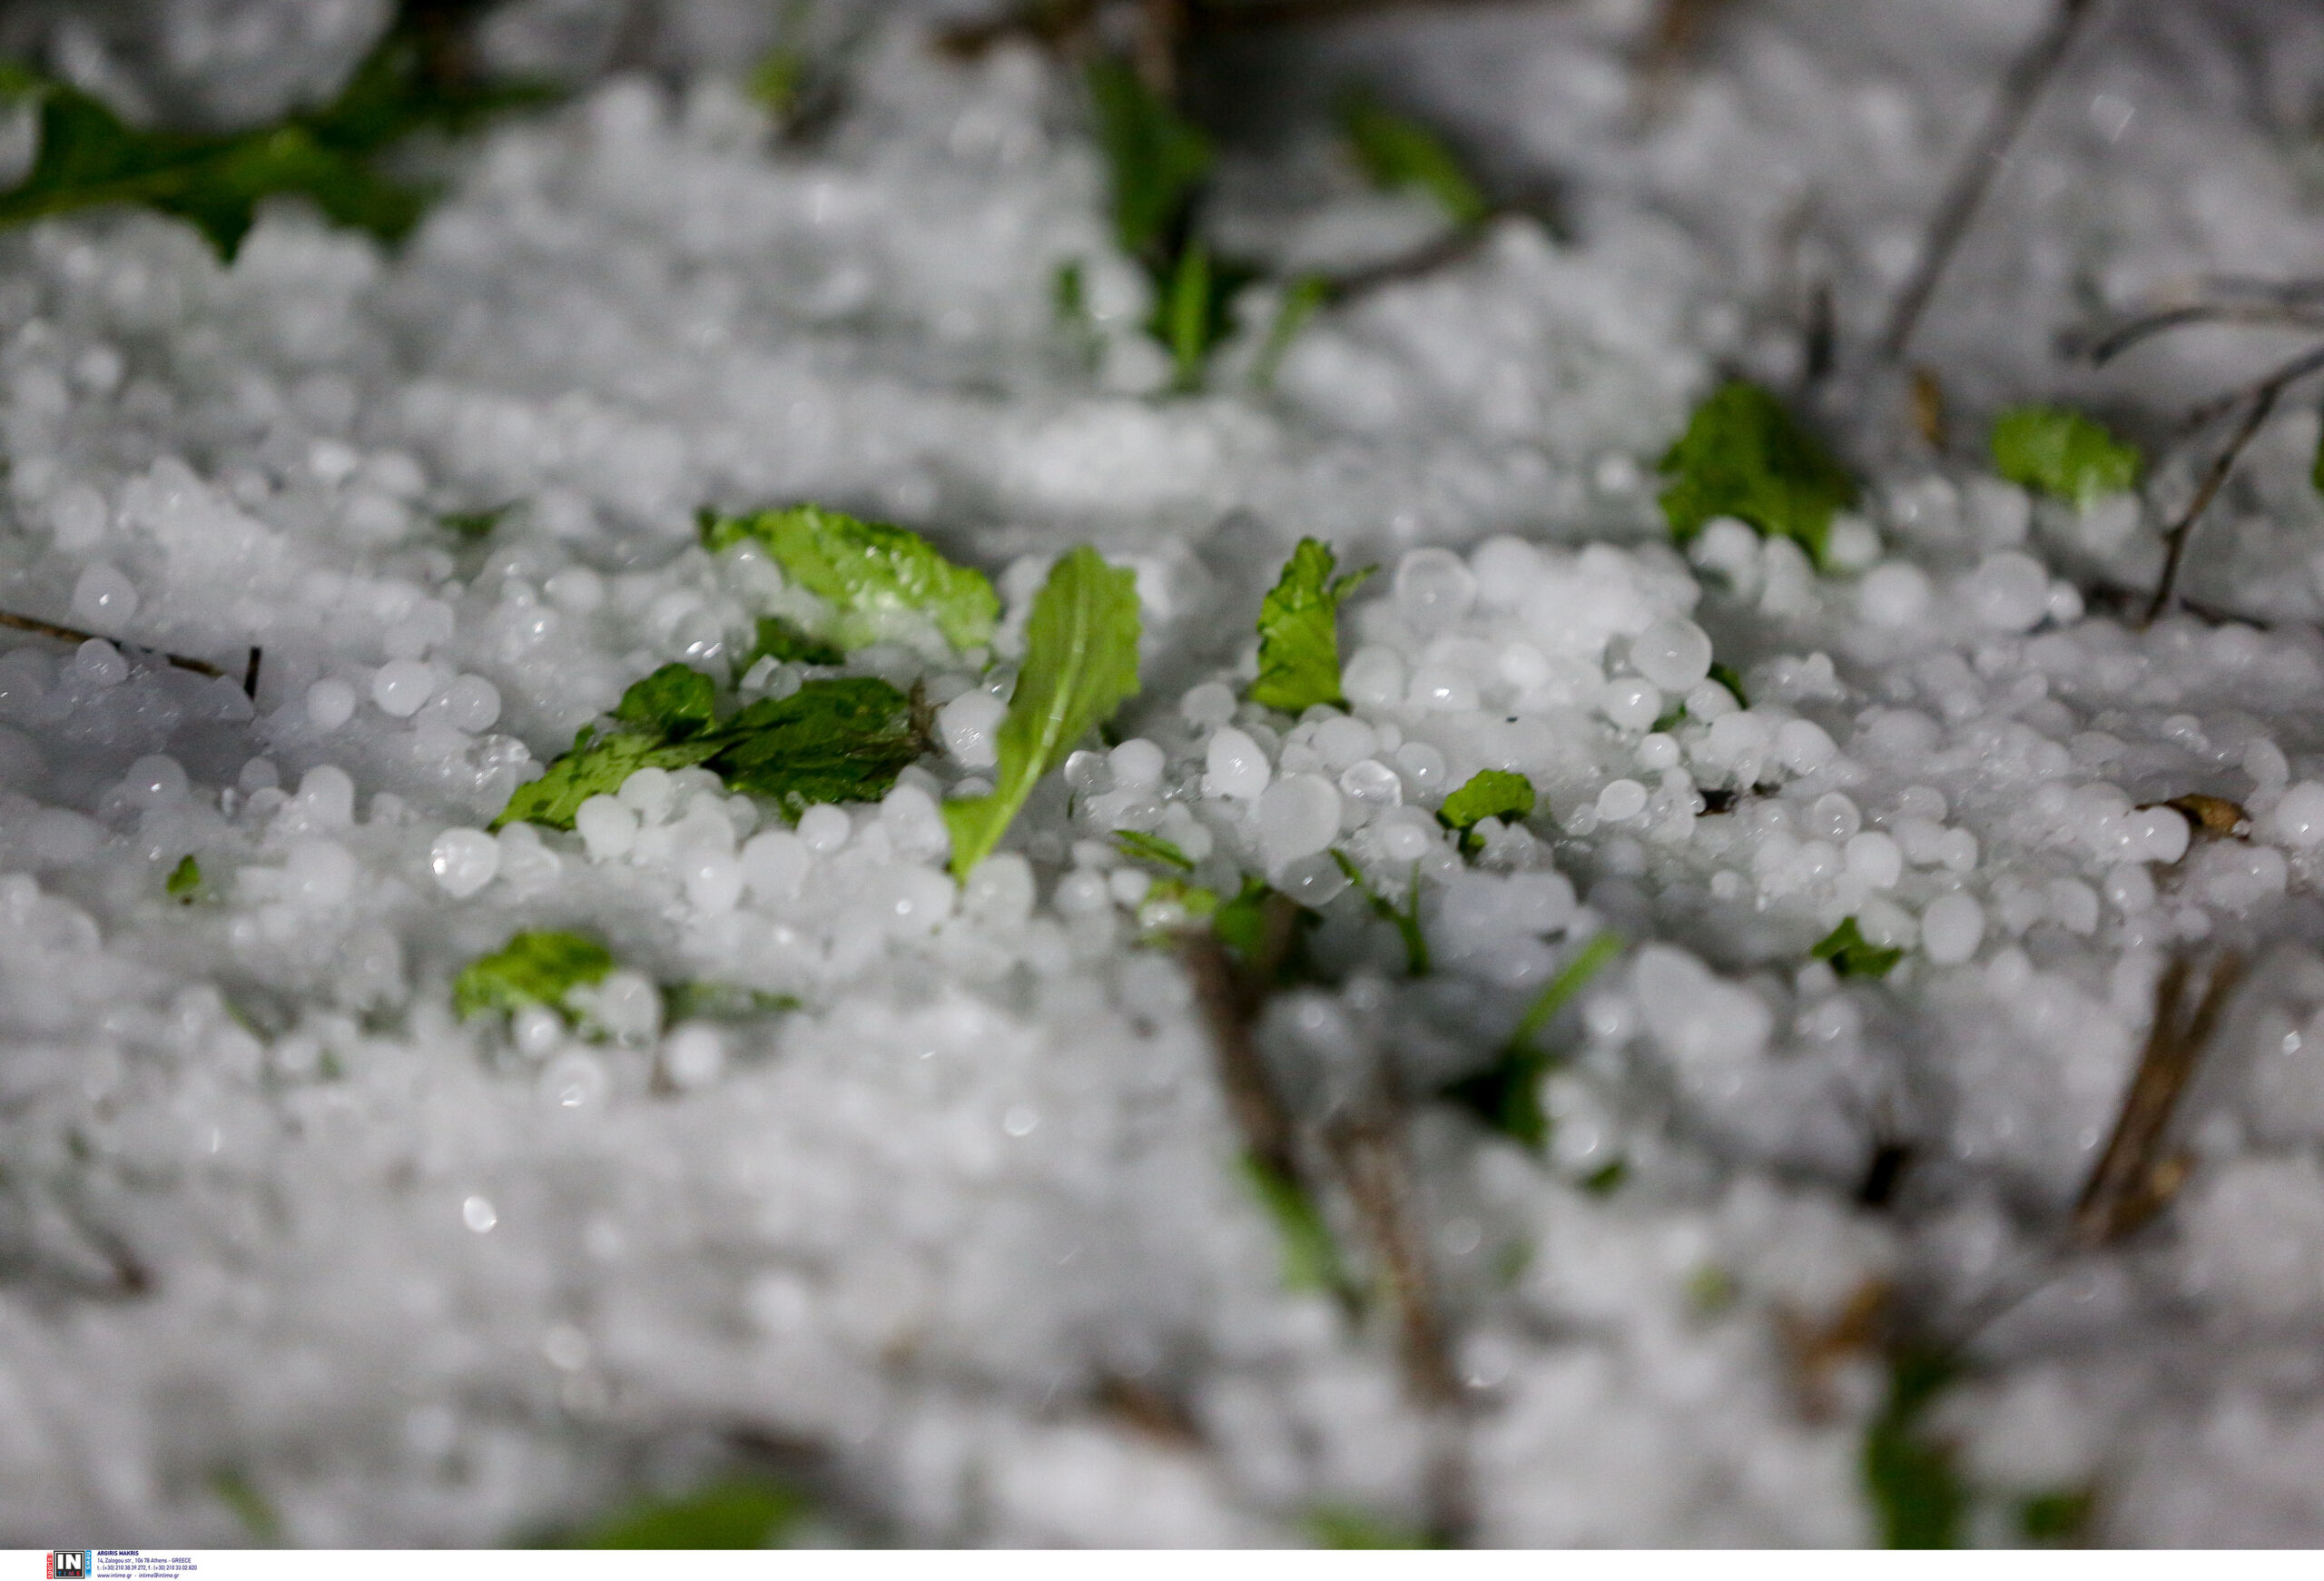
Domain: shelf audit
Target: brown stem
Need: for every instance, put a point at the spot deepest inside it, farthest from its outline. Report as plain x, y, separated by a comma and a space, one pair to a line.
2175, 539
74, 635
1225, 15
1230, 1004
2021, 90
2137, 1176
2122, 338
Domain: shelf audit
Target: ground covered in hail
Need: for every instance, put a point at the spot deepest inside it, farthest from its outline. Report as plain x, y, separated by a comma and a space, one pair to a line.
1731, 992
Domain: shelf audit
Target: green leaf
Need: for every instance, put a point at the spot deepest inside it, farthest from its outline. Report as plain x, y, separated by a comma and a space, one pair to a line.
1852, 954
533, 968
249, 1507
864, 570
1397, 151
1189, 308
1306, 296
1335, 1525
2062, 1516
1196, 904
475, 525
2062, 454
1507, 1094
1743, 456
1299, 639
184, 879
1727, 676
1912, 1481
732, 1514
720, 1002
841, 740
1491, 793
1080, 664
1311, 1260
1607, 1179
1153, 848
783, 642
89, 157
596, 765
677, 700
1154, 157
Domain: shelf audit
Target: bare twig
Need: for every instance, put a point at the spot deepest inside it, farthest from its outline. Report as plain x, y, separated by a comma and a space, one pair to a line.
2175, 539
1227, 15
2136, 1177
1928, 408
1679, 29
74, 635
1230, 997
2122, 337
2021, 90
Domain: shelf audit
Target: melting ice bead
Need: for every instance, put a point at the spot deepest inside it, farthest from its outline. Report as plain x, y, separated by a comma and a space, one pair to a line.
331, 703
1950, 928
1673, 653
1236, 766
967, 725
1299, 816
464, 861
104, 598
606, 826
1434, 590
401, 686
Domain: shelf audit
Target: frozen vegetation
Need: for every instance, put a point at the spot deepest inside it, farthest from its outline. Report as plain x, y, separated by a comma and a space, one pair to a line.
923, 1187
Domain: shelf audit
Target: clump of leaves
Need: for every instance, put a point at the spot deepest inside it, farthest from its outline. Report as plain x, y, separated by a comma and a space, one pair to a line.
1507, 1094
184, 879
89, 157
1491, 793
475, 525
1744, 456
1397, 151
865, 569
728, 1514
1912, 1481
1080, 663
538, 967
837, 740
1299, 641
2061, 1517
2064, 454
1852, 954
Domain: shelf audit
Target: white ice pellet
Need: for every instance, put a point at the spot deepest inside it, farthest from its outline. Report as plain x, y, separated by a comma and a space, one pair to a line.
2009, 591
331, 703
1803, 746
1951, 927
628, 1005
2130, 888
1344, 740
1405, 837
1081, 893
693, 1055
327, 797
1372, 784
576, 589
401, 686
1129, 886
471, 704
1373, 678
607, 827
1895, 593
714, 882
1620, 801
1235, 766
1208, 705
1433, 590
1833, 816
1444, 690
104, 598
968, 726
1658, 751
320, 873
1872, 856
823, 828
1710, 701
1672, 653
1137, 762
2298, 819
999, 891
1852, 544
78, 516
1630, 703
464, 861
154, 782
1424, 766
774, 865
650, 794
1299, 816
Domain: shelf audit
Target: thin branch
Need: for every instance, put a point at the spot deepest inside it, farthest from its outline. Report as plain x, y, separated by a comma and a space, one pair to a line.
1227, 15
2021, 90
2272, 385
2136, 1178
2122, 338
2175, 539
74, 635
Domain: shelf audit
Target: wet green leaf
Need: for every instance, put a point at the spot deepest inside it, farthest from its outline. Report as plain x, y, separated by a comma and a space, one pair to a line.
2064, 454
1153, 848
732, 1514
1913, 1485
1397, 151
1311, 1261
1156, 157
184, 879
865, 569
1743, 456
842, 740
1852, 955
1299, 641
533, 968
